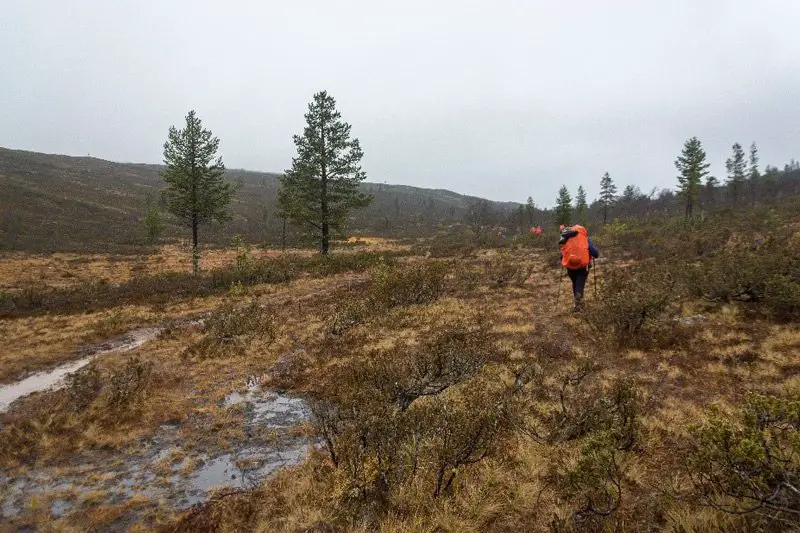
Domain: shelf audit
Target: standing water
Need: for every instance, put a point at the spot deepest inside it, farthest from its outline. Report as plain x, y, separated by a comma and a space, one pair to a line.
54, 379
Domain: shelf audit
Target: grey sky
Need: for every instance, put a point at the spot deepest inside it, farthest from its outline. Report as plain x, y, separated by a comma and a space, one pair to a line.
501, 99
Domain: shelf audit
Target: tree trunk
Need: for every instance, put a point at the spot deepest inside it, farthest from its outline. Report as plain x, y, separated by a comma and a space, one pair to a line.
195, 249
283, 236
325, 238
324, 199
605, 214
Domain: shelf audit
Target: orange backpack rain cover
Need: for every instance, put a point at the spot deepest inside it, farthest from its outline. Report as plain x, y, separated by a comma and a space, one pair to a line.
575, 252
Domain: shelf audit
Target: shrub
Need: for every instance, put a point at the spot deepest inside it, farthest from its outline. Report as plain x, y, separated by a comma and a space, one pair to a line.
633, 303
230, 330
392, 286
502, 271
592, 484
452, 355
349, 313
418, 283
754, 269
782, 295
34, 300
83, 387
750, 464
127, 386
413, 412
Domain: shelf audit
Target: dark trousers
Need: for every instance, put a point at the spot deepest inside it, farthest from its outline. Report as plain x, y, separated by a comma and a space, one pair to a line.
578, 277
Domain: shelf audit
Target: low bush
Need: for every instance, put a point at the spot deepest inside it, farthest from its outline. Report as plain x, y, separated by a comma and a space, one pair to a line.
391, 286
749, 464
230, 330
634, 303
503, 271
591, 484
415, 412
152, 290
755, 269
83, 387
126, 387
417, 283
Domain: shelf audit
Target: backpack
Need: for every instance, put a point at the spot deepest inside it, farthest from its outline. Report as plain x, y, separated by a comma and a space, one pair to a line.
575, 251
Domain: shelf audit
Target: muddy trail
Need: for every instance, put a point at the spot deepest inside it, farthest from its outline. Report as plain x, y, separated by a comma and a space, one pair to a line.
54, 378
162, 473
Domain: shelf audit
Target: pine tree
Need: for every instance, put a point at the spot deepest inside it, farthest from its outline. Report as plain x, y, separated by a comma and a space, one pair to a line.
608, 194
321, 189
735, 166
153, 223
710, 187
753, 175
563, 210
197, 192
771, 177
581, 207
692, 168
529, 211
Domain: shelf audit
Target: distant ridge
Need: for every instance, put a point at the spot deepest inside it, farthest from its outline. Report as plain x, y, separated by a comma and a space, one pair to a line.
59, 203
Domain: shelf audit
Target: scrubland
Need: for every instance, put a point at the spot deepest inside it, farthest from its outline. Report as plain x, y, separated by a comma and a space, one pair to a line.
450, 386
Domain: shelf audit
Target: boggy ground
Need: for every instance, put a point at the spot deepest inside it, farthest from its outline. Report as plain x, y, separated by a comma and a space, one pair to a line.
497, 417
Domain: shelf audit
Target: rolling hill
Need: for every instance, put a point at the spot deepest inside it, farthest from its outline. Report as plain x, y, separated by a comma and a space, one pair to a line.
62, 203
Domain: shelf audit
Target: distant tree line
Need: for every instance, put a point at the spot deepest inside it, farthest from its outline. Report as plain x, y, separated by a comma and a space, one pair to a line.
697, 191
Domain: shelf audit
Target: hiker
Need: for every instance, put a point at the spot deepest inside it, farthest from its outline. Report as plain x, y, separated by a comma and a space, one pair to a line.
577, 252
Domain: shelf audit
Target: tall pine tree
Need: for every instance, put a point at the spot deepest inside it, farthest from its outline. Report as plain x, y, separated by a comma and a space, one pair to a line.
608, 195
692, 168
321, 189
581, 207
736, 166
197, 192
563, 209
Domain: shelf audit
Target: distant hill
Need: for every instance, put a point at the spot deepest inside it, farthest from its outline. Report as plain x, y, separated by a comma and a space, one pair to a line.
58, 203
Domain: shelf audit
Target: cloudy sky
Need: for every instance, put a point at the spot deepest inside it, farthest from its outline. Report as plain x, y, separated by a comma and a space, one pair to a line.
502, 99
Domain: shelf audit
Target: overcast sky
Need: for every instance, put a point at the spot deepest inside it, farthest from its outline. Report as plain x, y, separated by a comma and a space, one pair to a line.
501, 99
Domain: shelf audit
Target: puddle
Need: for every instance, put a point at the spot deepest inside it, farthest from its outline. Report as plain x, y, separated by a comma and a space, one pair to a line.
54, 379
60, 507
174, 484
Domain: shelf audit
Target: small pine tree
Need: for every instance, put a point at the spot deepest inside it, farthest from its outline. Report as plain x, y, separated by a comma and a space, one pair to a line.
710, 187
692, 168
608, 195
321, 188
736, 167
563, 210
753, 175
153, 223
197, 191
581, 207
